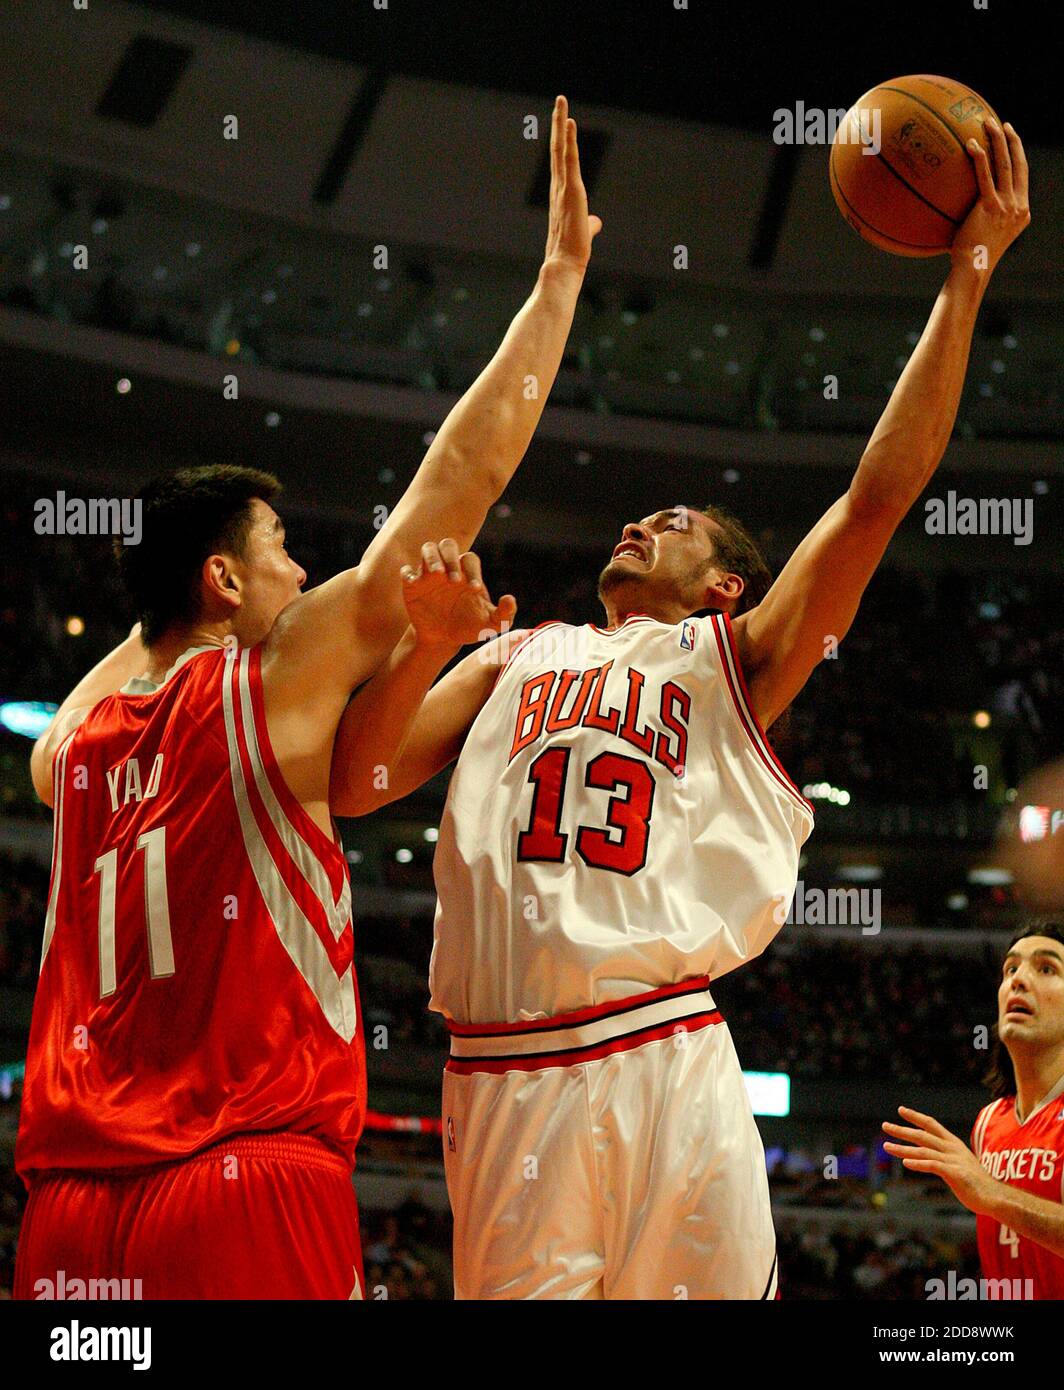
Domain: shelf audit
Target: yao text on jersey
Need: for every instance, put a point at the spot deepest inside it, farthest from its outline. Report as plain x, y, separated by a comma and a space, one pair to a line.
197, 977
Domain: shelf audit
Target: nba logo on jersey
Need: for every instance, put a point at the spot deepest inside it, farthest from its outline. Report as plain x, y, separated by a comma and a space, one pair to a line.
687, 637
450, 1135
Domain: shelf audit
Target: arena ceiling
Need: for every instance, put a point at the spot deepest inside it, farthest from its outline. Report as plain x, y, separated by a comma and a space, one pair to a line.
714, 60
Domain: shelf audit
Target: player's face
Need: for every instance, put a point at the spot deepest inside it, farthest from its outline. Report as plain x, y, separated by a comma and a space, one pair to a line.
270, 578
1031, 994
662, 557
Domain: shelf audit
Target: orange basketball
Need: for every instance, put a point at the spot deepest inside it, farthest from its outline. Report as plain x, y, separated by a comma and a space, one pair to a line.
916, 183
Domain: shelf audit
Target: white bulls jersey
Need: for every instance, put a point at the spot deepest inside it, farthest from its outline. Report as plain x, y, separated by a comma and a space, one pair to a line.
617, 822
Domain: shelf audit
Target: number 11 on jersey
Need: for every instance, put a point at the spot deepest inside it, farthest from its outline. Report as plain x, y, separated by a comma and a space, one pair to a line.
156, 908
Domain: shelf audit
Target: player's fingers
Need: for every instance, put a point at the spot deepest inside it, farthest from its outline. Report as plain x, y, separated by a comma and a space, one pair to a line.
557, 139
1019, 163
1002, 161
916, 1117
908, 1150
923, 1165
502, 615
431, 561
451, 557
911, 1136
572, 153
409, 574
983, 175
471, 568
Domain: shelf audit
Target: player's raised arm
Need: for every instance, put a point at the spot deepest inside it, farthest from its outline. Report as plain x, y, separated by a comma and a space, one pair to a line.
816, 595
358, 616
397, 733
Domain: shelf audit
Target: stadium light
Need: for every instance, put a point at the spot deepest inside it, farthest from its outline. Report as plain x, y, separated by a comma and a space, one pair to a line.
29, 718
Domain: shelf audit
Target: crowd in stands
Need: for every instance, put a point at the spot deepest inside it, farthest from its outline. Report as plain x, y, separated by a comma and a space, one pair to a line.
835, 1010
878, 1263
23, 896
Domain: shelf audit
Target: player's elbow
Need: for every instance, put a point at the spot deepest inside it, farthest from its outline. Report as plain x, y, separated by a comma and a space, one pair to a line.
42, 782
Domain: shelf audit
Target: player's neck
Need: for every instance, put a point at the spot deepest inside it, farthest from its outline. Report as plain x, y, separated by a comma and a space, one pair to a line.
1036, 1075
163, 654
662, 612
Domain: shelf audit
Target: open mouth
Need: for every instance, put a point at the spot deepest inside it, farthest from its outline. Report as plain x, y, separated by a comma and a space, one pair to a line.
631, 550
1016, 1008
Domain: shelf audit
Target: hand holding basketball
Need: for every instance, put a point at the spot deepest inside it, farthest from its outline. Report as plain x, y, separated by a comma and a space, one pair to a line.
447, 601
1002, 211
571, 229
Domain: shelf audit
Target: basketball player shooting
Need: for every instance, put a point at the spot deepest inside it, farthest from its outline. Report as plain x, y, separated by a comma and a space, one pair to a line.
1012, 1177
617, 831
195, 1078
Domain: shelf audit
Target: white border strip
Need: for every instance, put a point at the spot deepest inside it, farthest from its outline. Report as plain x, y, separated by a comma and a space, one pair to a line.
336, 996
58, 799
590, 1034
753, 734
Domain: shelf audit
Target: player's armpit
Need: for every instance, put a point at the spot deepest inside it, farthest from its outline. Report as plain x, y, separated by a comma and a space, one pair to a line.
812, 603
359, 784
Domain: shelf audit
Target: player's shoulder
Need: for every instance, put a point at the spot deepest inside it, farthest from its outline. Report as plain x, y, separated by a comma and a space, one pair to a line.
42, 759
994, 1118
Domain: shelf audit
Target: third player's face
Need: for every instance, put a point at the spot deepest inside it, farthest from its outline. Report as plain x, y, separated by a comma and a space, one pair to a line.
271, 579
1031, 994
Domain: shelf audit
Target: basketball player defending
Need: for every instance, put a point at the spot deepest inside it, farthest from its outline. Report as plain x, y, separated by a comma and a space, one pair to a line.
195, 1082
1014, 1179
617, 831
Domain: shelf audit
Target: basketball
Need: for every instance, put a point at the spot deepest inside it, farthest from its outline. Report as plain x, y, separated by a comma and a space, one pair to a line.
900, 170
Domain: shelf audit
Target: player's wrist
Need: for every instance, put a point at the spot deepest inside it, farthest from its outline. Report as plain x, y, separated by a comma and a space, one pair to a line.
563, 272
973, 263
994, 1199
434, 646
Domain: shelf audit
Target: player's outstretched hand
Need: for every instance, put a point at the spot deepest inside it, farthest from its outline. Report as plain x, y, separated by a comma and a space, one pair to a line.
447, 601
1002, 210
930, 1148
570, 229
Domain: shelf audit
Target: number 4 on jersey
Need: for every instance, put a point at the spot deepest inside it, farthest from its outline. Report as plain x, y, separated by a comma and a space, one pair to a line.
1007, 1236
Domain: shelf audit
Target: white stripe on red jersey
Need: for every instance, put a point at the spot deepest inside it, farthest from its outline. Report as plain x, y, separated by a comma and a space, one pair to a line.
197, 976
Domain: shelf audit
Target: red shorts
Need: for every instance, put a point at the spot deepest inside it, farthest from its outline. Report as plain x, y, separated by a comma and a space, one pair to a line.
269, 1216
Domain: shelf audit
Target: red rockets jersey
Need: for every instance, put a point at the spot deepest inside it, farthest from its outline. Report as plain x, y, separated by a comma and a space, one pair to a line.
1031, 1157
196, 977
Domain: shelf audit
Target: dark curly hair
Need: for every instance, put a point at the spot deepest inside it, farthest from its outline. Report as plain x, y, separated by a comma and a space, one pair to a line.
738, 552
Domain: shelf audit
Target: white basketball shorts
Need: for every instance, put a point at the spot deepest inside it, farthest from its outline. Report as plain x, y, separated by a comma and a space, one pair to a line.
607, 1153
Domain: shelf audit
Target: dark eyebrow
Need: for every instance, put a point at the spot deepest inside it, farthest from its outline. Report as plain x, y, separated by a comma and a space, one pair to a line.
671, 512
1042, 951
